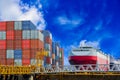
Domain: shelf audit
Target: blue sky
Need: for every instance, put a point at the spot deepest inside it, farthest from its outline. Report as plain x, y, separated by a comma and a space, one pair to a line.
72, 21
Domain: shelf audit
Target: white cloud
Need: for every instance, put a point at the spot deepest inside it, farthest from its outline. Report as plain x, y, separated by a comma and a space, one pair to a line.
16, 10
94, 44
72, 23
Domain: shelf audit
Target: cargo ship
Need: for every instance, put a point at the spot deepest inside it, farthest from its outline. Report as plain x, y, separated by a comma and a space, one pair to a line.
87, 55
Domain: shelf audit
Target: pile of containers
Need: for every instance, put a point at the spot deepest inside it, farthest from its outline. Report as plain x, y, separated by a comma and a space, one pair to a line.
47, 47
20, 41
57, 54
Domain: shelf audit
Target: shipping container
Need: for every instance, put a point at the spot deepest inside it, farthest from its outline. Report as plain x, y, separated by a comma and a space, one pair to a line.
10, 25
41, 37
26, 54
40, 45
18, 62
2, 61
34, 34
10, 35
53, 61
18, 34
3, 44
47, 46
17, 44
25, 61
48, 60
33, 53
26, 34
10, 61
10, 44
53, 56
18, 25
34, 44
2, 54
2, 35
33, 62
53, 47
48, 40
28, 25
25, 44
17, 54
3, 26
10, 54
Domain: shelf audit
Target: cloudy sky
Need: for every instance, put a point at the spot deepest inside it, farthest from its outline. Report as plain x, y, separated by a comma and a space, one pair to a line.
95, 22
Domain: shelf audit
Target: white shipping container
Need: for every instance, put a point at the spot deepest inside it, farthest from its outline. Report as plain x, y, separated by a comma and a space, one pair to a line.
18, 25
26, 34
2, 35
47, 46
33, 61
10, 54
41, 37
34, 34
57, 51
50, 60
17, 62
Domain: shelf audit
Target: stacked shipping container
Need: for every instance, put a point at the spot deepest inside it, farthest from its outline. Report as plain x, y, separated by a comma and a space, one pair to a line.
20, 41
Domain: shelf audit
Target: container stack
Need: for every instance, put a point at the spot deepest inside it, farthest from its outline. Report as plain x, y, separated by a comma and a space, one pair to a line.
19, 43
48, 47
57, 54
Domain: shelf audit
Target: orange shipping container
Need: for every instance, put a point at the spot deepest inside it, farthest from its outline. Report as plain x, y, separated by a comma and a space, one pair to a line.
10, 35
26, 54
40, 45
26, 61
2, 26
2, 54
33, 53
3, 61
53, 56
18, 34
10, 44
2, 44
17, 44
25, 44
34, 44
10, 61
10, 25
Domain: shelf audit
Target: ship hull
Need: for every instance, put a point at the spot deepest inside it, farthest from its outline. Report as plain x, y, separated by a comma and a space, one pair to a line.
77, 60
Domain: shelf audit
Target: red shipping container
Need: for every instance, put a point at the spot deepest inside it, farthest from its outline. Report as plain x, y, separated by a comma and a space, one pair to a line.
10, 61
2, 44
26, 54
48, 61
25, 44
10, 44
48, 40
33, 53
26, 61
2, 26
34, 44
3, 61
2, 54
40, 45
10, 35
18, 44
10, 25
18, 34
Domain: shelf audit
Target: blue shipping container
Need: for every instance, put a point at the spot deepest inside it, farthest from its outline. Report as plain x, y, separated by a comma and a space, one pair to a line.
18, 54
53, 47
28, 25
